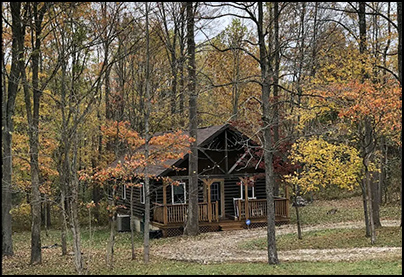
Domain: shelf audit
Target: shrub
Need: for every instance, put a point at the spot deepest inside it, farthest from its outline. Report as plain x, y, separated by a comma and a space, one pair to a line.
21, 217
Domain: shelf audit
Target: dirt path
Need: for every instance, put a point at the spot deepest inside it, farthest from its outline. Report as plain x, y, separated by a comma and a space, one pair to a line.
221, 247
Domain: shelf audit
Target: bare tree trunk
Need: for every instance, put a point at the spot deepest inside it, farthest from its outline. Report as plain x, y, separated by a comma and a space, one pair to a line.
74, 209
8, 107
64, 218
112, 230
400, 76
33, 132
192, 226
132, 223
298, 222
267, 138
365, 208
75, 227
276, 85
368, 134
146, 223
400, 44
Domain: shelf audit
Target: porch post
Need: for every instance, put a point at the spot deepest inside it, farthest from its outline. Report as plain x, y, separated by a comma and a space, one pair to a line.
165, 203
246, 200
217, 211
209, 202
239, 209
287, 200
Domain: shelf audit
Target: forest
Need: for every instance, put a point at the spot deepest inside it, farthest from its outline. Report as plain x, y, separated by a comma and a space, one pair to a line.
317, 84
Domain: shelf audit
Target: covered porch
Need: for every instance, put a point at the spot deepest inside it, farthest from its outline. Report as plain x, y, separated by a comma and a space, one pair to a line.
209, 212
171, 218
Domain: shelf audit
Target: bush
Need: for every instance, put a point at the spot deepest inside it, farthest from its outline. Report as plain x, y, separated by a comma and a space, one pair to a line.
21, 217
103, 214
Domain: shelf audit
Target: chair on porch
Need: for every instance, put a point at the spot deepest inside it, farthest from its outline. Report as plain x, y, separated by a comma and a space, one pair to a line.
237, 212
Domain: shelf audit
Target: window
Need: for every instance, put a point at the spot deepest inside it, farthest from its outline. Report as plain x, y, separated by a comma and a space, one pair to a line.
215, 191
124, 192
142, 193
178, 193
251, 192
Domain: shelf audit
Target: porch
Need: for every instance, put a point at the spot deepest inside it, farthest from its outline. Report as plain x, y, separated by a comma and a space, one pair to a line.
171, 218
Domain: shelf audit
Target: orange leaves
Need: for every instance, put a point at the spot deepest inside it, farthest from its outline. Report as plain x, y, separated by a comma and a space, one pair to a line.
162, 147
354, 100
121, 131
380, 101
170, 146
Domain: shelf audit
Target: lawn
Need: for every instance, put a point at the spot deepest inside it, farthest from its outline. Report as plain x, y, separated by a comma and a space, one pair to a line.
331, 238
94, 250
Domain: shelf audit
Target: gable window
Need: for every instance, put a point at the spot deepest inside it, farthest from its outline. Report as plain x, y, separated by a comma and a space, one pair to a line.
178, 193
251, 192
142, 193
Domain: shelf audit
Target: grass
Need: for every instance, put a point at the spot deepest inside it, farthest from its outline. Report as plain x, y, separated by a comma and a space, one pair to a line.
95, 249
350, 209
331, 238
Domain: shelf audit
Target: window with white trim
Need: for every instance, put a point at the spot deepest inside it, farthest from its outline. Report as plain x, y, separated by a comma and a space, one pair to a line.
251, 192
142, 193
178, 194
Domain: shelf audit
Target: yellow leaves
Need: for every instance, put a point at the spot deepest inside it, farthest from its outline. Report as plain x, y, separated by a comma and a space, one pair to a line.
324, 164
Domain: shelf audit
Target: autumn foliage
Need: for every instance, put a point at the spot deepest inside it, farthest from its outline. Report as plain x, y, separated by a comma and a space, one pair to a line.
130, 168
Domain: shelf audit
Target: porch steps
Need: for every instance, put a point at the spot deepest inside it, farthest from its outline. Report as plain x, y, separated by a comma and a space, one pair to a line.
229, 225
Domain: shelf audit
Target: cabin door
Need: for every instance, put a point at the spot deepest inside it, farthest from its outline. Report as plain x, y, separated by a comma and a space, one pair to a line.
216, 194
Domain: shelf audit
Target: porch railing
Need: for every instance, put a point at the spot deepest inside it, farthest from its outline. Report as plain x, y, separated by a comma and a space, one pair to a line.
177, 213
258, 208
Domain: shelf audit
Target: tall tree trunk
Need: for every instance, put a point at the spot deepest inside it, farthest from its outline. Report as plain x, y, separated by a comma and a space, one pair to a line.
112, 228
63, 161
400, 77
276, 87
368, 132
132, 223
63, 212
365, 207
8, 107
181, 61
33, 131
299, 228
74, 209
192, 225
400, 42
146, 223
267, 138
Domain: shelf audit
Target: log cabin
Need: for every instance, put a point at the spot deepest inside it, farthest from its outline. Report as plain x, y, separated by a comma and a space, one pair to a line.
228, 196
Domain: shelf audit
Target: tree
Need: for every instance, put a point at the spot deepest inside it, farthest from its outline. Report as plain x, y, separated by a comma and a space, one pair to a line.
133, 169
192, 225
324, 164
146, 246
264, 29
75, 92
33, 114
8, 108
173, 39
400, 76
320, 164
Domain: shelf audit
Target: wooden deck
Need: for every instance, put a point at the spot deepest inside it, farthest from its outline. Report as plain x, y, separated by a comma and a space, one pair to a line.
171, 218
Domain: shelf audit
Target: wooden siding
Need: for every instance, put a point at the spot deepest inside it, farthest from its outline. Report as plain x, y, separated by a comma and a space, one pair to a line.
138, 207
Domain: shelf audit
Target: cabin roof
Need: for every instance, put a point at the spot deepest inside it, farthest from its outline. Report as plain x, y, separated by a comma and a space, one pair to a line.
204, 136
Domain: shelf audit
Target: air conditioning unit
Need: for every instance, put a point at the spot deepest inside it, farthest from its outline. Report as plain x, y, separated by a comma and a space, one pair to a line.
123, 221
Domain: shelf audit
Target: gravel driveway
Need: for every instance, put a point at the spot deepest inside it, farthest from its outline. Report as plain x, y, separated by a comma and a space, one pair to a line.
218, 247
